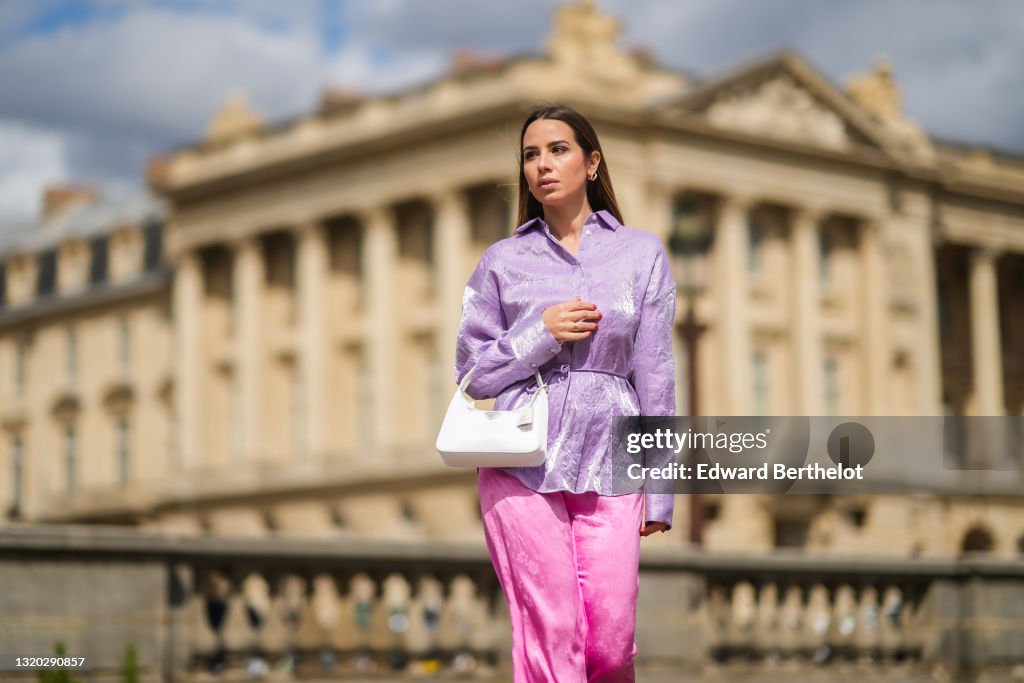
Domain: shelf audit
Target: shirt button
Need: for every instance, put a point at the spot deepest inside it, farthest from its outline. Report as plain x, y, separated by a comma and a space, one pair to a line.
533, 365
587, 232
554, 350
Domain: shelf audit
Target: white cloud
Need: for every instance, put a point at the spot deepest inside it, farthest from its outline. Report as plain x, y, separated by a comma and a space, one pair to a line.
355, 68
113, 94
32, 158
157, 72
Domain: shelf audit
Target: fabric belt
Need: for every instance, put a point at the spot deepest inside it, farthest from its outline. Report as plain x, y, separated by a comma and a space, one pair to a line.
561, 372
603, 372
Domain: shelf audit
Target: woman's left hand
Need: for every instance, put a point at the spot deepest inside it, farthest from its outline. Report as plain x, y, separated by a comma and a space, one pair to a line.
651, 527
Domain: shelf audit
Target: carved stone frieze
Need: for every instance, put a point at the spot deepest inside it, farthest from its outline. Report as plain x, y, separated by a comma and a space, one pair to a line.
780, 108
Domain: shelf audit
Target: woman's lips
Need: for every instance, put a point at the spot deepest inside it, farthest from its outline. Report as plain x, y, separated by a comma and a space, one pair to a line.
545, 184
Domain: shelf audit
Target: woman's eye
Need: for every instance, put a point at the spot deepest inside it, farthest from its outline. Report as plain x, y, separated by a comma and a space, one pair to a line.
529, 155
560, 149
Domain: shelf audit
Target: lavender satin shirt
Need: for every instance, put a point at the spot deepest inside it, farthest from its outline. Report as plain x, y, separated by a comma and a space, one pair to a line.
625, 367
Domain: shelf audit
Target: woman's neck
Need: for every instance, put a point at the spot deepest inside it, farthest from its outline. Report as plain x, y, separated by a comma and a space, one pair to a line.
567, 221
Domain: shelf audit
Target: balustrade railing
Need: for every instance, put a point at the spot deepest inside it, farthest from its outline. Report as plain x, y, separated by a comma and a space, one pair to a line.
312, 609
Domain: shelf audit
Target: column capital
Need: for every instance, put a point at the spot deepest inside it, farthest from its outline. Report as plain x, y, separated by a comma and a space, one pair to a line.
309, 227
665, 188
241, 241
186, 257
376, 216
449, 195
872, 223
736, 201
985, 253
869, 231
809, 213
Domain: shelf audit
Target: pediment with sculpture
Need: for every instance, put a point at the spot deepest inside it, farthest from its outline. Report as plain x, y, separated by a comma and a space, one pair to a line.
784, 98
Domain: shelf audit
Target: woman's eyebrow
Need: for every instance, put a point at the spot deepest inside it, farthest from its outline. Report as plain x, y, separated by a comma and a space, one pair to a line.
550, 144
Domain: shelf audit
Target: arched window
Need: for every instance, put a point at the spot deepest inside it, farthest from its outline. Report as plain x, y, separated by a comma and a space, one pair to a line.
977, 540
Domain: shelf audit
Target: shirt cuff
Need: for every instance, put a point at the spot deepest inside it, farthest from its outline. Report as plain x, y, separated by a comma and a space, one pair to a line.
532, 342
658, 507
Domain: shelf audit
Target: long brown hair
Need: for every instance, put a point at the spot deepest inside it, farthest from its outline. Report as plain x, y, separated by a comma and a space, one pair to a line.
600, 193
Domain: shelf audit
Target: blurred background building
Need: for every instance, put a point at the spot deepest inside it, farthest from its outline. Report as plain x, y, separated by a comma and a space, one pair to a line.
262, 344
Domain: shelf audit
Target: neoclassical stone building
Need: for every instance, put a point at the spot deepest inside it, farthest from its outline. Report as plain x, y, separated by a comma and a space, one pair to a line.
263, 343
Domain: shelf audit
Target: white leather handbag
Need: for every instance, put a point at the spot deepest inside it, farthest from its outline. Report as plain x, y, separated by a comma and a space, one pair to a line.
470, 437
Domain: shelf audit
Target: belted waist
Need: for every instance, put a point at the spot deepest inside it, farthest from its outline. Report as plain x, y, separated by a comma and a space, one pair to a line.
559, 373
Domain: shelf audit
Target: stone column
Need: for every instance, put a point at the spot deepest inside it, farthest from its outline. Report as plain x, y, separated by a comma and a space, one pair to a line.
987, 353
451, 237
914, 221
380, 253
731, 282
807, 347
876, 347
313, 338
188, 304
249, 277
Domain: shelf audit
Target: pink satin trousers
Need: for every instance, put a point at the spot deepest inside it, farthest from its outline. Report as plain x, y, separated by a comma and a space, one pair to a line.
568, 564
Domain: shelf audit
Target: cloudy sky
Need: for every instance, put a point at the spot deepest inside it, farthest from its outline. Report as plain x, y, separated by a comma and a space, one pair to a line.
90, 89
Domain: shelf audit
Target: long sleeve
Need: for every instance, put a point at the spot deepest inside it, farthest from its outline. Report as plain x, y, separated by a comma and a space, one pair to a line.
502, 354
654, 370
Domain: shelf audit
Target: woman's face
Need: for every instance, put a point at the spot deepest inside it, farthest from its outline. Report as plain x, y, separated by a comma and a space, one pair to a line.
554, 165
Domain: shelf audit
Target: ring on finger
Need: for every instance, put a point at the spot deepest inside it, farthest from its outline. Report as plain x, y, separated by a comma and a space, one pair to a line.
575, 325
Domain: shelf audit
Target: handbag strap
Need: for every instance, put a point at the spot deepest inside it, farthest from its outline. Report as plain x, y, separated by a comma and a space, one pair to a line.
469, 399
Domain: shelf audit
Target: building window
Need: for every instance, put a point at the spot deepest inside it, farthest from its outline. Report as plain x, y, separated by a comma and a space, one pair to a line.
72, 357
831, 386
297, 405
20, 351
153, 246
942, 304
98, 250
790, 533
17, 460
490, 217
46, 277
761, 387
70, 456
124, 346
123, 451
174, 439
824, 257
235, 408
439, 382
366, 403
754, 239
977, 540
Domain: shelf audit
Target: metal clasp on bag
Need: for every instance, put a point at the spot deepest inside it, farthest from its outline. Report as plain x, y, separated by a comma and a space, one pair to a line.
525, 413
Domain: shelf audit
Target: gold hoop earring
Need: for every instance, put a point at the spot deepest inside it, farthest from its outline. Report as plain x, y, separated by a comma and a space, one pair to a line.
593, 177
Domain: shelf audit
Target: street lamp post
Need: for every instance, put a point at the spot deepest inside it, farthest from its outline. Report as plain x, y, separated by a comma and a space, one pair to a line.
688, 243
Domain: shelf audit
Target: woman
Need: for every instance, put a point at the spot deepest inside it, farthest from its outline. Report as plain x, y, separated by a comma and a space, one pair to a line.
590, 303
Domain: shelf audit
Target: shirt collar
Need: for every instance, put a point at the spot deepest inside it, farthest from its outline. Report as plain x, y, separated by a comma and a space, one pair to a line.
603, 217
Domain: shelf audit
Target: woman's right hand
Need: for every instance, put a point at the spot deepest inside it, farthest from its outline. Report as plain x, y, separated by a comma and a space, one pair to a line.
571, 320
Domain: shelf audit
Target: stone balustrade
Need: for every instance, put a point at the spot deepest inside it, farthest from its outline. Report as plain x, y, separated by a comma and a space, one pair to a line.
235, 609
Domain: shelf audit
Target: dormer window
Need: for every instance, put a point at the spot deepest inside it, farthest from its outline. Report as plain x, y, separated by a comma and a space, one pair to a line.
98, 252
46, 277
